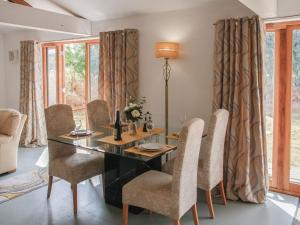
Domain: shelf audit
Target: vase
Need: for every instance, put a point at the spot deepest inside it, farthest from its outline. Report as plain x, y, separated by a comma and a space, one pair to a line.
132, 128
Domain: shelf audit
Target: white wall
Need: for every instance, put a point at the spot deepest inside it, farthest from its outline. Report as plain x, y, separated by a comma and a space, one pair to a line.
192, 74
12, 71
264, 8
2, 74
288, 7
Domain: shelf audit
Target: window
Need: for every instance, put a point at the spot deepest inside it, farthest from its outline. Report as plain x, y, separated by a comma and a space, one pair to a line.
282, 105
71, 71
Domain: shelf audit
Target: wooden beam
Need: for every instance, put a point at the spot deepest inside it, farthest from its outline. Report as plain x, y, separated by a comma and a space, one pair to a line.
20, 2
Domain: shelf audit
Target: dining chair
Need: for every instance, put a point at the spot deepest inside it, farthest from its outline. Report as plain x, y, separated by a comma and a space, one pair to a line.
170, 195
210, 166
64, 161
98, 114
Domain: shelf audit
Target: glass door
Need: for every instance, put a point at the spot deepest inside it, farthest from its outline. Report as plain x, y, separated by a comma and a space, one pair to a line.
282, 106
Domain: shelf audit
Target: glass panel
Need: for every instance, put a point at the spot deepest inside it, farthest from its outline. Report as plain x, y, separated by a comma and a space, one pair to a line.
295, 123
74, 56
269, 93
94, 70
51, 78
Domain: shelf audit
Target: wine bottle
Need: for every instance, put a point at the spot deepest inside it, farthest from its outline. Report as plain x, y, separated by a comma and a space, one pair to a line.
145, 125
118, 127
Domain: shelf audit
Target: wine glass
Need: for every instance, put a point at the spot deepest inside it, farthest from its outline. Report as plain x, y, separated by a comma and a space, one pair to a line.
183, 118
78, 125
150, 126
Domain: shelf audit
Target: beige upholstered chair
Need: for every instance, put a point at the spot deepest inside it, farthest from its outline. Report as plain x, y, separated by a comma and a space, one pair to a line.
170, 195
11, 126
98, 114
64, 162
210, 168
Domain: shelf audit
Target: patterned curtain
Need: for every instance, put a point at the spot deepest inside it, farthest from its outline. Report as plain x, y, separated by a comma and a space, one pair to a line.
238, 83
118, 68
31, 95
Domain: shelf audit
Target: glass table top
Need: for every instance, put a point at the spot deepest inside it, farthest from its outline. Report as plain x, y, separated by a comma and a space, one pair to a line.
93, 142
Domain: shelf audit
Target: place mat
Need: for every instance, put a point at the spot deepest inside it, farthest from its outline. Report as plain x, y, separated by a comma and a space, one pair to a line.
174, 136
139, 151
71, 137
127, 138
111, 126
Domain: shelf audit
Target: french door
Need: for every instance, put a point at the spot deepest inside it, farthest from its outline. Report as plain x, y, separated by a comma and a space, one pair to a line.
71, 71
282, 101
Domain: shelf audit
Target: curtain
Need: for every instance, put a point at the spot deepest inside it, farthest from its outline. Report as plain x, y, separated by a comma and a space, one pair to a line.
238, 83
31, 95
118, 68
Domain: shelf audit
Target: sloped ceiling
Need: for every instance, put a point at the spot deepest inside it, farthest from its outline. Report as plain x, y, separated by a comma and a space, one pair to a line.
107, 9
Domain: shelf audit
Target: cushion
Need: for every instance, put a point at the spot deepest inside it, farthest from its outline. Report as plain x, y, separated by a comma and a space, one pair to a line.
5, 139
9, 122
151, 190
77, 167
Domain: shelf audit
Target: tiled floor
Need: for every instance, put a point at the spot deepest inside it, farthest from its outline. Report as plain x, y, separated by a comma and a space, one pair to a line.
34, 209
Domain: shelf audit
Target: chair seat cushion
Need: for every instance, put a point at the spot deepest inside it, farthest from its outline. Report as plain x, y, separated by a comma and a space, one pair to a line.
5, 139
77, 167
151, 190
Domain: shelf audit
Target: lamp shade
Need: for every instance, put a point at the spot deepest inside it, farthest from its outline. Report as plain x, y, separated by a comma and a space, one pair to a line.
169, 50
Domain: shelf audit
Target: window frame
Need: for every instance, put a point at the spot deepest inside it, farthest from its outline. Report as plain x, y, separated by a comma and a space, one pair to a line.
60, 73
280, 180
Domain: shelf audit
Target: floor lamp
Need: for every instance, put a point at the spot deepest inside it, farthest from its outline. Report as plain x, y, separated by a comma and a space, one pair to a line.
167, 50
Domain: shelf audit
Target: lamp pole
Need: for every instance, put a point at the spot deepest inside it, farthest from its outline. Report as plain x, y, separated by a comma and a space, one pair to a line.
166, 73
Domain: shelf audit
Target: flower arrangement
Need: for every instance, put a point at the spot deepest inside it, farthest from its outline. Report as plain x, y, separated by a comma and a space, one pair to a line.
134, 109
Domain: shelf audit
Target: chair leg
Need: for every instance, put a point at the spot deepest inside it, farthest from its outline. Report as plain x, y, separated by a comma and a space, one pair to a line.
125, 214
195, 214
176, 222
74, 190
210, 204
222, 190
49, 186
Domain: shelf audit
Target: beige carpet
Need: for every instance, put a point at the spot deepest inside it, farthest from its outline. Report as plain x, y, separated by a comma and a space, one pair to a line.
18, 185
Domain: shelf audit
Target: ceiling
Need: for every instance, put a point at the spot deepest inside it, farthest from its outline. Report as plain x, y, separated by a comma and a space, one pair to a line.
107, 9
7, 28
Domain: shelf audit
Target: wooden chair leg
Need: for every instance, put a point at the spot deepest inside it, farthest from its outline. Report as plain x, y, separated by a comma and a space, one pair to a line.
125, 214
222, 190
49, 186
74, 190
210, 204
176, 222
195, 214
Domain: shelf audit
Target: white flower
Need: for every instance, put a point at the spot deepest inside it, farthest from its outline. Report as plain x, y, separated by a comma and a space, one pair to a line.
126, 108
135, 113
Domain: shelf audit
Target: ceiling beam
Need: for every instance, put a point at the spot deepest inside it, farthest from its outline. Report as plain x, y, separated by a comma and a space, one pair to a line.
20, 2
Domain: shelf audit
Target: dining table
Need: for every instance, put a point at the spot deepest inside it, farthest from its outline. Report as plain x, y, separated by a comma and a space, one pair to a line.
123, 160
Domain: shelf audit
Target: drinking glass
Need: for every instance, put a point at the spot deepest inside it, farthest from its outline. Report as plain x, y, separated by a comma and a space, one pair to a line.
78, 125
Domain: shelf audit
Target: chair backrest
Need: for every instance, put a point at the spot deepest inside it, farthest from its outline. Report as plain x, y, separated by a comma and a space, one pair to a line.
59, 120
184, 186
98, 114
210, 169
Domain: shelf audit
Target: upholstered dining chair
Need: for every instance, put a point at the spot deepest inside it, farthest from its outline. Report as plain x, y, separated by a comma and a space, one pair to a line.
170, 195
64, 161
98, 114
210, 167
